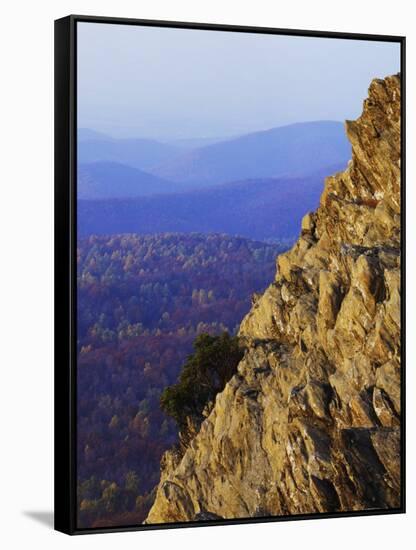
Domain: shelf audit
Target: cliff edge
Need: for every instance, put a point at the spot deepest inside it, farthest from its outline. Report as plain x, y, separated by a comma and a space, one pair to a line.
311, 421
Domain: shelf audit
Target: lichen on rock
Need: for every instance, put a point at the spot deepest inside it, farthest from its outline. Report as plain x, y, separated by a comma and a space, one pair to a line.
311, 421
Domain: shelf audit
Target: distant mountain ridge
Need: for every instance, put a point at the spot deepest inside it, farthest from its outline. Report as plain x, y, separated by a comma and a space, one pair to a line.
257, 209
84, 134
293, 150
186, 144
139, 153
288, 150
107, 180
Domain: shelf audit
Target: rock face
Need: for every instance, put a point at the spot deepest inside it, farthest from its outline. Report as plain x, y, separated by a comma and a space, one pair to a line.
311, 422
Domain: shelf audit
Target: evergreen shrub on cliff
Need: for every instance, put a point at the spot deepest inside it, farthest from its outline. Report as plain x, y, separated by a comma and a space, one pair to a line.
203, 375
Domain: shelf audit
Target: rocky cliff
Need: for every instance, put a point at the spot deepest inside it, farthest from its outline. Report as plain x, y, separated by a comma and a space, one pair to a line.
311, 421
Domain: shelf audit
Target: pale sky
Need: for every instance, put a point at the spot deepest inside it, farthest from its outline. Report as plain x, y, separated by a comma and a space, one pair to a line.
166, 83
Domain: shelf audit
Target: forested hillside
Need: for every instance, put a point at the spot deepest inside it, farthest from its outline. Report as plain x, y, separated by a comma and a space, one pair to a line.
142, 300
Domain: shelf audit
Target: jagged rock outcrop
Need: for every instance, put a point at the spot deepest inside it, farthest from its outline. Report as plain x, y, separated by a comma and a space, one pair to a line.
311, 422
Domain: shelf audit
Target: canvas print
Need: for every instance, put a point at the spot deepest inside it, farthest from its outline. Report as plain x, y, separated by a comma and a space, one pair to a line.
238, 275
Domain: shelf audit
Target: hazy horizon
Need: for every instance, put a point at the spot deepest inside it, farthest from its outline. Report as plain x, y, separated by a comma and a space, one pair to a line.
214, 139
167, 84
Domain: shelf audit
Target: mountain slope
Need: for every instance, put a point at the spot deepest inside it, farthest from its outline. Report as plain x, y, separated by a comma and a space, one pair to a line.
105, 180
186, 144
295, 149
84, 134
136, 152
311, 422
259, 209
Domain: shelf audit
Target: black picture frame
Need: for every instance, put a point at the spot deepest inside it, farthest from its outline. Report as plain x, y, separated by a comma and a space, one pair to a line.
65, 266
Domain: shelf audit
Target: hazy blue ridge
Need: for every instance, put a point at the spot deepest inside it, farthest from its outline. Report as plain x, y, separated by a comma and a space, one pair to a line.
105, 180
270, 208
136, 152
295, 149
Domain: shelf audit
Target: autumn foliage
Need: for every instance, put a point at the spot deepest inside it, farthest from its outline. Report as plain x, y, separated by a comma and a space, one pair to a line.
142, 301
